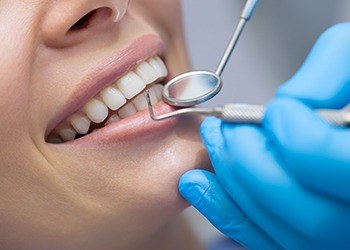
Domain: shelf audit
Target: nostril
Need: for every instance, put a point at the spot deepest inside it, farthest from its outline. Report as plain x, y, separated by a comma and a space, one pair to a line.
68, 25
97, 15
84, 21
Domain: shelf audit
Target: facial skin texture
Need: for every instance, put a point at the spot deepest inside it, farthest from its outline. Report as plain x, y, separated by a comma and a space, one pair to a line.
77, 196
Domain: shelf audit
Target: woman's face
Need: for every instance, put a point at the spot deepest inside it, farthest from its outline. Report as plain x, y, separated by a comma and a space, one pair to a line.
113, 186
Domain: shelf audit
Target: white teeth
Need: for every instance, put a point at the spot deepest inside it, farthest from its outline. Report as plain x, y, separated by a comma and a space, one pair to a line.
140, 103
159, 66
112, 119
113, 98
128, 110
67, 134
131, 85
147, 73
80, 123
162, 66
96, 110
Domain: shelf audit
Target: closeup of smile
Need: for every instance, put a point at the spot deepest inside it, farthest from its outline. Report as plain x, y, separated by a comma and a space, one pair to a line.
121, 99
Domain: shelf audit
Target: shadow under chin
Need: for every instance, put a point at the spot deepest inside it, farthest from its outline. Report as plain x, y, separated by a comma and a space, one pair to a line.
189, 130
204, 161
189, 127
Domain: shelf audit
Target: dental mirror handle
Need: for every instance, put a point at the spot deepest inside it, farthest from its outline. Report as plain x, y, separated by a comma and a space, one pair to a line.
249, 9
245, 17
254, 114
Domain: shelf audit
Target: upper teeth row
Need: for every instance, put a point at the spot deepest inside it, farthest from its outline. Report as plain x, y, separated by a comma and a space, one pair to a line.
115, 98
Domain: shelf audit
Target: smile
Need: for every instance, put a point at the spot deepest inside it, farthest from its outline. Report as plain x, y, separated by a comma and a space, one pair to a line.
122, 99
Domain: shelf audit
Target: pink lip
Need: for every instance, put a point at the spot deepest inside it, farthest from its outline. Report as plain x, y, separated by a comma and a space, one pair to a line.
111, 70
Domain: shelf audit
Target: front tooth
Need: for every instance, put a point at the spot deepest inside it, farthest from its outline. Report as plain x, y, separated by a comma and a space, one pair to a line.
147, 73
67, 134
81, 123
113, 98
131, 85
112, 119
96, 110
158, 66
127, 110
140, 103
162, 66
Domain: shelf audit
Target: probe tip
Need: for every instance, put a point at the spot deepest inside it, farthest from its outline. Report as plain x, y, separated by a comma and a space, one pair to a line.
150, 107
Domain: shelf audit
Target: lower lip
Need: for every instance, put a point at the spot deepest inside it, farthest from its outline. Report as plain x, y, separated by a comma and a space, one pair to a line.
134, 127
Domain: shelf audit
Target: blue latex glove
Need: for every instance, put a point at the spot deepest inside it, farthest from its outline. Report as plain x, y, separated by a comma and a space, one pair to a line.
285, 184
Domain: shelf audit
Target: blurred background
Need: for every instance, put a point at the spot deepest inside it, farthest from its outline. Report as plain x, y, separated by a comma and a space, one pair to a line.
273, 46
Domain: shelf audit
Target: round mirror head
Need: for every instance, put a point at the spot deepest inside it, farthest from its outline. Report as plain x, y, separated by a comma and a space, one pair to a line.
192, 88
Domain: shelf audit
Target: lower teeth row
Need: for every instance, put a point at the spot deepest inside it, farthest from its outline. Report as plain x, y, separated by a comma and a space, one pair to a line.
81, 125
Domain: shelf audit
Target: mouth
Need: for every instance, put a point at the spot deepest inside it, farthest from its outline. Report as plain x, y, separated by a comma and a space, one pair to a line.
116, 102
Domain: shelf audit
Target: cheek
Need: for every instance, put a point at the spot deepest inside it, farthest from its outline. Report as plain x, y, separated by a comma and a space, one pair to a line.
165, 14
16, 50
169, 13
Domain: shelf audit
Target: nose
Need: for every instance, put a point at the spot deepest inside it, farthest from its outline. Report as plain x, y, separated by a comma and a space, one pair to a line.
68, 22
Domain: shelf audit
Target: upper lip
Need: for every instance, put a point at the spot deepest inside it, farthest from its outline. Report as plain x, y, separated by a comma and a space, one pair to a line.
110, 70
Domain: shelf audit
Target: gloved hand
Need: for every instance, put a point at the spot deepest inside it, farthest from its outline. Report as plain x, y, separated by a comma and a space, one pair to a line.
285, 184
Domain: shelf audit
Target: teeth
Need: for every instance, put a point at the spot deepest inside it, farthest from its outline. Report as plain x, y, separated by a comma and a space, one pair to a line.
131, 85
96, 110
159, 66
159, 91
153, 96
140, 103
147, 73
128, 110
67, 134
80, 123
113, 98
112, 119
162, 66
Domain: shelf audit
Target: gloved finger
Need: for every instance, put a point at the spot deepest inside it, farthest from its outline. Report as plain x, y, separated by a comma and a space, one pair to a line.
259, 173
317, 153
212, 137
203, 190
225, 169
324, 79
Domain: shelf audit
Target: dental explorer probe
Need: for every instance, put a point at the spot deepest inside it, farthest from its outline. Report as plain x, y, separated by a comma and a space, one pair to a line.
246, 114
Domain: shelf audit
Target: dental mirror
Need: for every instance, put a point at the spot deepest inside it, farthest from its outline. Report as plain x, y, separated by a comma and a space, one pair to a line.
197, 87
192, 88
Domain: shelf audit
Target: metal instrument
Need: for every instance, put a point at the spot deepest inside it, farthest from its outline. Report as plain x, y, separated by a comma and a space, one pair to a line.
196, 87
252, 114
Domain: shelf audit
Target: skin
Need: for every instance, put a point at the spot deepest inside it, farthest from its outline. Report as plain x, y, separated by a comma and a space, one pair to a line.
120, 196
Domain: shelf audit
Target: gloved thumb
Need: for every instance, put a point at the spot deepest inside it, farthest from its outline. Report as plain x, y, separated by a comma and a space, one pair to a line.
203, 190
324, 79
